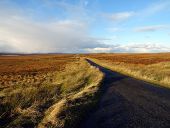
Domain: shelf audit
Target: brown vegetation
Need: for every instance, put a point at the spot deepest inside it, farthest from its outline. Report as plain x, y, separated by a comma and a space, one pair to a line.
143, 59
18, 70
32, 86
154, 68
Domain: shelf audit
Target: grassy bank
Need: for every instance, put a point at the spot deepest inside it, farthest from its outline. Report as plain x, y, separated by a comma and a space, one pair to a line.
157, 73
60, 100
80, 85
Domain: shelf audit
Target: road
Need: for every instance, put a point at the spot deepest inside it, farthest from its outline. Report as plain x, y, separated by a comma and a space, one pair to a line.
129, 103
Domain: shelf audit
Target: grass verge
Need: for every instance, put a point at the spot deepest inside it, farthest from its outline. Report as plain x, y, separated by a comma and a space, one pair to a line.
80, 87
158, 74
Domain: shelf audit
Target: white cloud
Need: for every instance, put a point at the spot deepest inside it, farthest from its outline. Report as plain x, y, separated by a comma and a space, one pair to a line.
131, 48
6, 47
19, 33
98, 50
120, 16
151, 28
146, 47
37, 37
61, 36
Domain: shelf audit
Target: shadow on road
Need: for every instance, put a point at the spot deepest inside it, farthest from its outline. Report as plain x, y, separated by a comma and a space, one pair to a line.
110, 76
129, 103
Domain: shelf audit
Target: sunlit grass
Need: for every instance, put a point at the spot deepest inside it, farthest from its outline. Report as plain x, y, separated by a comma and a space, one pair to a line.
80, 84
155, 72
30, 98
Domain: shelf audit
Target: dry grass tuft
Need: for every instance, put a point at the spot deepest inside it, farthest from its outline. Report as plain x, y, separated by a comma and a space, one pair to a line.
80, 98
47, 91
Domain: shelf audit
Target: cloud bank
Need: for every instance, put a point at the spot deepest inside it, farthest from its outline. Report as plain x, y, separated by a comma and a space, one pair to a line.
60, 36
17, 34
21, 32
151, 28
131, 48
120, 16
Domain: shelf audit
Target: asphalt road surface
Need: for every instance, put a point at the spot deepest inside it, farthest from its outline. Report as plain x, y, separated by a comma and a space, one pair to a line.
129, 103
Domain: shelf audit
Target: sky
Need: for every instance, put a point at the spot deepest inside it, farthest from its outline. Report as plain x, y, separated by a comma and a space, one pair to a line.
84, 26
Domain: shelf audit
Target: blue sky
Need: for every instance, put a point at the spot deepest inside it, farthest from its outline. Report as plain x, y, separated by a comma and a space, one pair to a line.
75, 26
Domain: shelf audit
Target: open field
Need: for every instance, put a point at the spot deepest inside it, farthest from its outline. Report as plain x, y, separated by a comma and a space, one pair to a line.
59, 90
46, 90
30, 69
154, 68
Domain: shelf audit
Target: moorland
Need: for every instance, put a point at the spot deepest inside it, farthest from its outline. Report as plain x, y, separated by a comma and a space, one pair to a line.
154, 68
46, 90
59, 90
